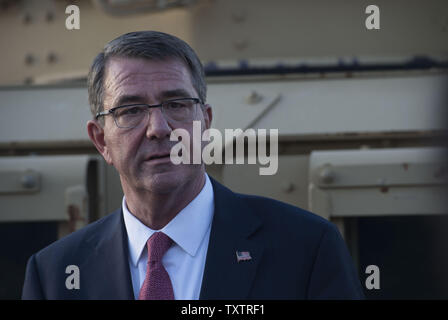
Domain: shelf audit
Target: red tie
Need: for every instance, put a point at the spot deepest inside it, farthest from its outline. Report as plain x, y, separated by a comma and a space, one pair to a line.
157, 284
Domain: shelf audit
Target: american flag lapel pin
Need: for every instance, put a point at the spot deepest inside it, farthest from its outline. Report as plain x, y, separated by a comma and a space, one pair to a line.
243, 256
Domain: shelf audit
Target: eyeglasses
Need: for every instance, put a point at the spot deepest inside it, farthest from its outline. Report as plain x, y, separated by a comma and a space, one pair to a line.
131, 115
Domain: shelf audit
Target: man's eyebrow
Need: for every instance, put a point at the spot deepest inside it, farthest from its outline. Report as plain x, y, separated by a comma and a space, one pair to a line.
176, 93
127, 99
168, 94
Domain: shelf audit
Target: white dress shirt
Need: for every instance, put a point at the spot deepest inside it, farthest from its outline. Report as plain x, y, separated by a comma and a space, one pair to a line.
185, 260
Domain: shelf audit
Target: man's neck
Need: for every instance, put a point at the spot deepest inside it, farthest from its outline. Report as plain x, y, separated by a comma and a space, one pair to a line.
156, 210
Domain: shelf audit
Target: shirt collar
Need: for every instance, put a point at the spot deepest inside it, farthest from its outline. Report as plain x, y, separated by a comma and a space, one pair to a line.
187, 229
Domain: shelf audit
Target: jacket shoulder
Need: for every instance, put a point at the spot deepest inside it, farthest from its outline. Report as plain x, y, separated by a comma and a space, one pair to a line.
288, 225
279, 212
75, 240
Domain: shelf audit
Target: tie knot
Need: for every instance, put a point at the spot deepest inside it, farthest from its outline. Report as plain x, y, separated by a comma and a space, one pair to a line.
158, 244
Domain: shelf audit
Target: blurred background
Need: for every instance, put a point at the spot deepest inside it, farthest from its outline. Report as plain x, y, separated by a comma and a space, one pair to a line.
361, 115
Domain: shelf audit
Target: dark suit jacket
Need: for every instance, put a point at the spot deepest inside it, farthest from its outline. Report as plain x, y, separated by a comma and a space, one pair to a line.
295, 255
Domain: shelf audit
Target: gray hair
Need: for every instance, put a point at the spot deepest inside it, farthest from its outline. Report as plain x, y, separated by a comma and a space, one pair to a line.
151, 45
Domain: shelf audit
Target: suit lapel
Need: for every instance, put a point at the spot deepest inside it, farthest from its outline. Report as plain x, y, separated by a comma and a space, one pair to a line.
107, 274
233, 229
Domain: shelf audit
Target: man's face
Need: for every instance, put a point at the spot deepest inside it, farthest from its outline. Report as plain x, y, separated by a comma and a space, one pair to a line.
131, 151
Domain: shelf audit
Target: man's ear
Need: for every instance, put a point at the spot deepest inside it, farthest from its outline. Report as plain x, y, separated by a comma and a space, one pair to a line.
208, 115
96, 134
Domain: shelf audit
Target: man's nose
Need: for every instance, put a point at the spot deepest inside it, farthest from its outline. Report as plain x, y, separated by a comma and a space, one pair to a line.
158, 127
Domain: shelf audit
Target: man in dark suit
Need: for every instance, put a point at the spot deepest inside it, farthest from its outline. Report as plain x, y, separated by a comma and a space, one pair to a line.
179, 234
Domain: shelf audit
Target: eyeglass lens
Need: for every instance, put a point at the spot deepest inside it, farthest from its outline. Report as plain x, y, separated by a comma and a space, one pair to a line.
132, 116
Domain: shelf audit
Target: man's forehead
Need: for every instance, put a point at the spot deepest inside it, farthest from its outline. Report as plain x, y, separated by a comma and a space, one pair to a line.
135, 76
140, 66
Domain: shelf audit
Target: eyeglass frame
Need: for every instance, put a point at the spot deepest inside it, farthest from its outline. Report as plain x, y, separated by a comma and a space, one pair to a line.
149, 106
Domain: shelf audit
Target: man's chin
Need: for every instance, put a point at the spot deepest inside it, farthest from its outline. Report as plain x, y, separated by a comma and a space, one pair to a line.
167, 178
163, 182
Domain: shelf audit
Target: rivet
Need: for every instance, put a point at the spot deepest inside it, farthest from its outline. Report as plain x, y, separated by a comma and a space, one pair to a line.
254, 97
28, 81
287, 187
27, 18
52, 57
49, 16
326, 176
28, 181
29, 59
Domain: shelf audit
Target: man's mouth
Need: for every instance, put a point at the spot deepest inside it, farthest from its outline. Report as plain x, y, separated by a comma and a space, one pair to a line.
158, 156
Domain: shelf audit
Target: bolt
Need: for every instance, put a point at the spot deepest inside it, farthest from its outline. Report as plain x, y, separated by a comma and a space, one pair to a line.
52, 57
326, 176
254, 97
28, 181
287, 187
49, 16
384, 189
27, 18
28, 81
29, 59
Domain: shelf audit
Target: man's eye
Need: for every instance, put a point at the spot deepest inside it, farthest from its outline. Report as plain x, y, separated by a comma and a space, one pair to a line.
176, 105
132, 111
